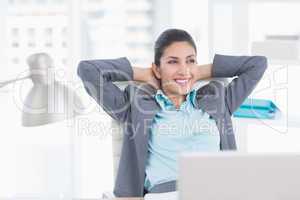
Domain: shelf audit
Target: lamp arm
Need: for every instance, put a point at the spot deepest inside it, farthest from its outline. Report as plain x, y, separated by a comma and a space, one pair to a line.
4, 83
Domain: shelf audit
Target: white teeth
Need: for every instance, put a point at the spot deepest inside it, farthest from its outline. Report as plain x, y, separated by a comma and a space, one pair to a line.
181, 81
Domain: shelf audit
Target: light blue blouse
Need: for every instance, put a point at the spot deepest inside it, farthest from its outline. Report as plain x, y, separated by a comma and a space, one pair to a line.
174, 131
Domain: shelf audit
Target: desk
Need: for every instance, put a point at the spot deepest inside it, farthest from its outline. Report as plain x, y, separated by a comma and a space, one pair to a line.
133, 198
241, 126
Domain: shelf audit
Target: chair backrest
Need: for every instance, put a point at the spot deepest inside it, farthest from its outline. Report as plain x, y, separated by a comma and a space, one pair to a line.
117, 138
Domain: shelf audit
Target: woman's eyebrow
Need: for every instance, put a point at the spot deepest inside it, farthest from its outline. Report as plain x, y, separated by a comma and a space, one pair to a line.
193, 55
173, 57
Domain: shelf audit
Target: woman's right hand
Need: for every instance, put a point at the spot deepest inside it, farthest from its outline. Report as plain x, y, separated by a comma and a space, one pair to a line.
145, 75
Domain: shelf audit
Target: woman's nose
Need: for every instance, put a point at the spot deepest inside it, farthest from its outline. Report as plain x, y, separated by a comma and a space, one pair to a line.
184, 70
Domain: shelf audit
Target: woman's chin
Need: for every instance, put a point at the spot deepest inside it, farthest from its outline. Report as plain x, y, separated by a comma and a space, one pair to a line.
183, 90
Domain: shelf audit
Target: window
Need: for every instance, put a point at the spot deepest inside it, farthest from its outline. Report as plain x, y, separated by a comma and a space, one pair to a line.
241, 25
70, 30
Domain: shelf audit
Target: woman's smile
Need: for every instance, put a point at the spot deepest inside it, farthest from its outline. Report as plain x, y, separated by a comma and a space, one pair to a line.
182, 82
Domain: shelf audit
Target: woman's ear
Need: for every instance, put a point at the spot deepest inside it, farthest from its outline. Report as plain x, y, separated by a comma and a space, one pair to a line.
156, 70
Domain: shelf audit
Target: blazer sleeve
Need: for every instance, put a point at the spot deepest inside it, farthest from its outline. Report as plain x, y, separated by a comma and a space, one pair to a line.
247, 70
98, 77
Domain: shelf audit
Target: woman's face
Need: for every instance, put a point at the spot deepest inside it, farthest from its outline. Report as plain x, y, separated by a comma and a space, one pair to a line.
176, 70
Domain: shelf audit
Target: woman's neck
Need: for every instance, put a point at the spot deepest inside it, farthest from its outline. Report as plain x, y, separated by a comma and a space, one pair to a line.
176, 99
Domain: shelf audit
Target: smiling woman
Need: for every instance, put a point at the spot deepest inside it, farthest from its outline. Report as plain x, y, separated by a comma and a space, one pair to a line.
160, 114
174, 60
175, 65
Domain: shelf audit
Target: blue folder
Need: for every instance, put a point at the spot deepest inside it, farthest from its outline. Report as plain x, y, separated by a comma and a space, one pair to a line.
256, 108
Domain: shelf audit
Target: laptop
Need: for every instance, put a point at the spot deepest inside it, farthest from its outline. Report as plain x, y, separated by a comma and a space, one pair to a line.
239, 176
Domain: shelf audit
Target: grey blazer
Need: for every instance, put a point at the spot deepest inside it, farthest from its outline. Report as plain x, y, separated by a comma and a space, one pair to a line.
135, 107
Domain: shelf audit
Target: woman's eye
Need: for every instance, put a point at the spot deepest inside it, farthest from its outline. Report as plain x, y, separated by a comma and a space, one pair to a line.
172, 61
192, 61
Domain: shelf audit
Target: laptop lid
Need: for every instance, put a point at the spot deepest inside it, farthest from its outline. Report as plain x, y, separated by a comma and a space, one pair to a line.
239, 176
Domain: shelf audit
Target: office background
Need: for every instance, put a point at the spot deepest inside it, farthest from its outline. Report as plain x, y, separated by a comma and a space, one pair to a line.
39, 160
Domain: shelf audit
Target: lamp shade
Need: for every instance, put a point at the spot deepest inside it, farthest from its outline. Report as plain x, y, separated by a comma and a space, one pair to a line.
48, 100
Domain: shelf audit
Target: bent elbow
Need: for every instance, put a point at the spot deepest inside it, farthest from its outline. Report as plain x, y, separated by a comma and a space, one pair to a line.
263, 62
81, 68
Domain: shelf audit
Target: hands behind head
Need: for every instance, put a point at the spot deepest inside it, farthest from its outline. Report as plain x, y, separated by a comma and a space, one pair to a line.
146, 75
200, 72
152, 80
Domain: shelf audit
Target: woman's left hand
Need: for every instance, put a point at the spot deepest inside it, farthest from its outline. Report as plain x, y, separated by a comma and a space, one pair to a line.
202, 72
